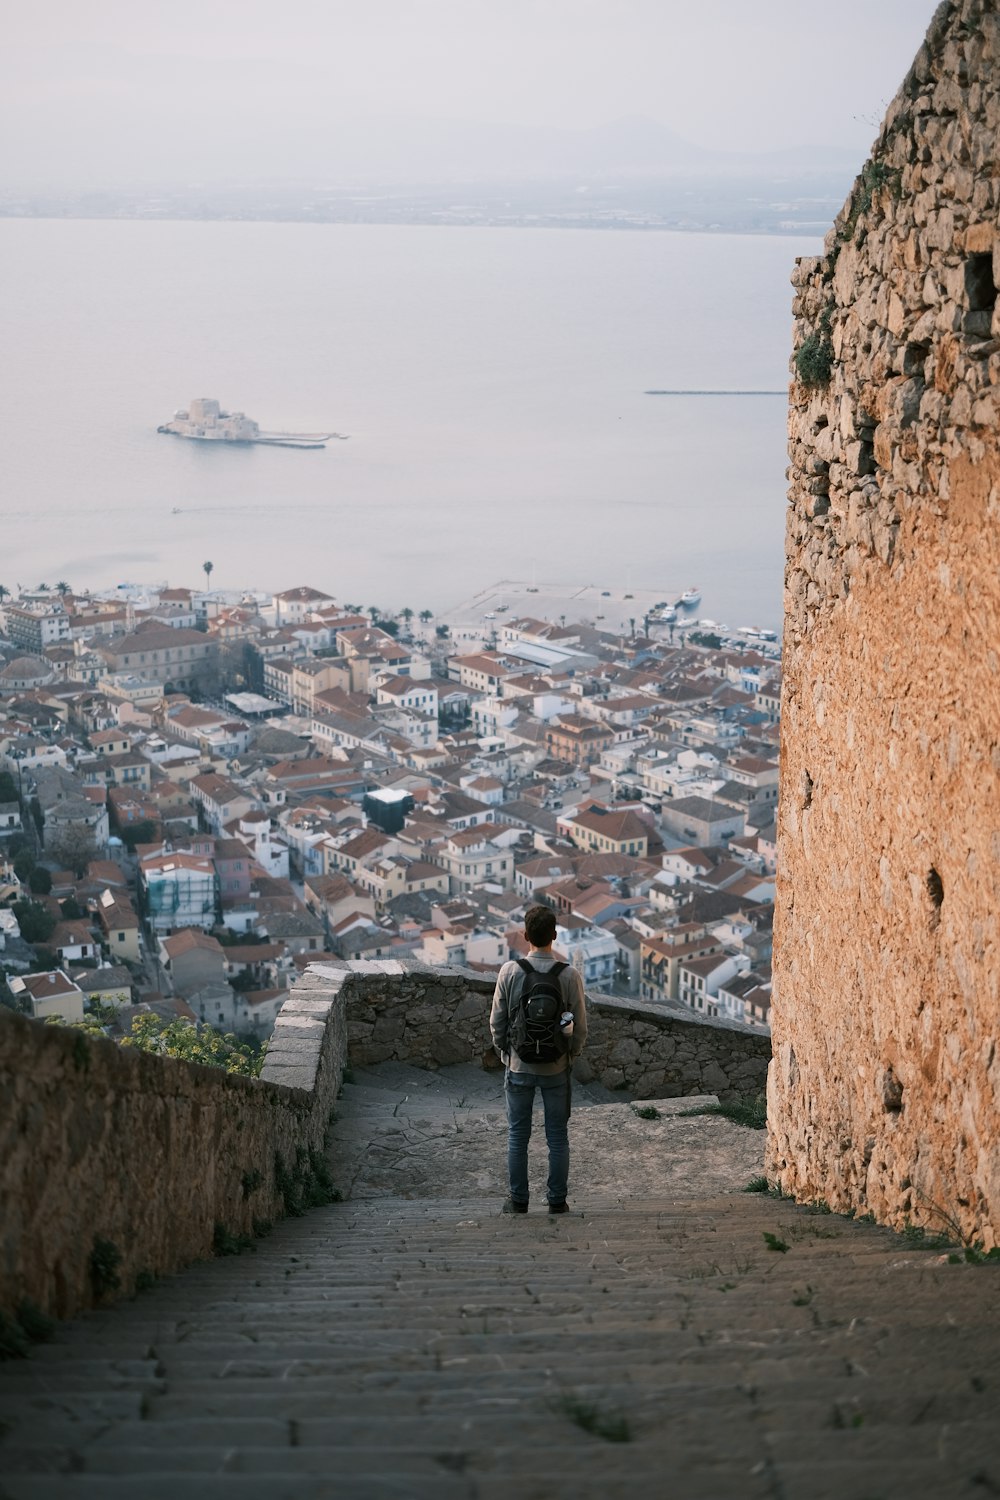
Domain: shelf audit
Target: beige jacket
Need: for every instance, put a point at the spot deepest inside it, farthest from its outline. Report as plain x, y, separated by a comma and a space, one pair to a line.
510, 982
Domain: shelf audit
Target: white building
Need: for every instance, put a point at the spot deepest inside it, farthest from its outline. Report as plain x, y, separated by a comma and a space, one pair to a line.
180, 890
33, 626
589, 949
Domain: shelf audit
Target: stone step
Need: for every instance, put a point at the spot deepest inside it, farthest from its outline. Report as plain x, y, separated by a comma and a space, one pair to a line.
163, 1484
716, 1483
846, 1477
338, 1274
387, 1347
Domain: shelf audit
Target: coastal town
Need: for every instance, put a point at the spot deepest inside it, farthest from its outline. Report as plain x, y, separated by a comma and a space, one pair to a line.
204, 791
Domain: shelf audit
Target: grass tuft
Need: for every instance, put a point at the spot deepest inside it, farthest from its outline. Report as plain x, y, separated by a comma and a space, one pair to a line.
814, 360
226, 1242
750, 1113
105, 1258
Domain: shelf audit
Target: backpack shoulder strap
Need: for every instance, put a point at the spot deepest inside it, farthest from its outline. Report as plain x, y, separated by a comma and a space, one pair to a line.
524, 966
557, 968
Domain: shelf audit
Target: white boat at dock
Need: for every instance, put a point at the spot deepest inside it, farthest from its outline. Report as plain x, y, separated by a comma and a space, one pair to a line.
689, 599
204, 421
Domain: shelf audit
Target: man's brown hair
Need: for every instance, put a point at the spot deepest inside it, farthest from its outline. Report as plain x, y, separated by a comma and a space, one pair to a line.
539, 926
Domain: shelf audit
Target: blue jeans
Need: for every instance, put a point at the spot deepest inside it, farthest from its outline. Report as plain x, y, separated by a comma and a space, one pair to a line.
519, 1089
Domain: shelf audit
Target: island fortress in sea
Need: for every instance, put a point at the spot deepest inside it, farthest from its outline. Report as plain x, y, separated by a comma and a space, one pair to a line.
206, 422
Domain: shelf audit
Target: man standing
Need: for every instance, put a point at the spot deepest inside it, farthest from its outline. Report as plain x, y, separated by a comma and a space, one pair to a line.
525, 1069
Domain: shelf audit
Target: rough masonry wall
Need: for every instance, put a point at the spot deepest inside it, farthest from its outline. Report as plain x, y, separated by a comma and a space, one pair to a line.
884, 1094
116, 1165
432, 1017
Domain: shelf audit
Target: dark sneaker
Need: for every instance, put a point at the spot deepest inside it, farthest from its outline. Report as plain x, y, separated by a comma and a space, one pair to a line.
558, 1208
510, 1207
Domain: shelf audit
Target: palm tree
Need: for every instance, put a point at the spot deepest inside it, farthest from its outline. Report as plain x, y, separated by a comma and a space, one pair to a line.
207, 569
406, 614
62, 587
352, 609
375, 612
426, 616
4, 593
43, 588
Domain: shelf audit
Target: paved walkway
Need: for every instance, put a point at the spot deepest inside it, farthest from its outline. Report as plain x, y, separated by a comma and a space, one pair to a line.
411, 1342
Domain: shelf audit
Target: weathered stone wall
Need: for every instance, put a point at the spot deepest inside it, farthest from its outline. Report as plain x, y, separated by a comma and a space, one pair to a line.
103, 1145
433, 1017
656, 1056
885, 1089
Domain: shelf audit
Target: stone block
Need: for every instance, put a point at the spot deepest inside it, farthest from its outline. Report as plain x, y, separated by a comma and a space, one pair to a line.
289, 1074
473, 1007
625, 1052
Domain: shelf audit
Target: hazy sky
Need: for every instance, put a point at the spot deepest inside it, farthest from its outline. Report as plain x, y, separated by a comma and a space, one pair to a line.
107, 90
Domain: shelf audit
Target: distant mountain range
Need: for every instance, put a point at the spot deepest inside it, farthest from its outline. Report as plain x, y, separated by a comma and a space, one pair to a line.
435, 151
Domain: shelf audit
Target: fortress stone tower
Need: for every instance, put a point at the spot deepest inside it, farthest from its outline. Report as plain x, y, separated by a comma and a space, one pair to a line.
884, 1092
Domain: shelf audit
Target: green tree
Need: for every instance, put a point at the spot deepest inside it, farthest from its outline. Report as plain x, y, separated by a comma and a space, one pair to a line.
35, 921
71, 909
150, 1033
4, 593
62, 588
96, 1019
426, 616
143, 832
207, 568
8, 787
40, 881
24, 863
406, 615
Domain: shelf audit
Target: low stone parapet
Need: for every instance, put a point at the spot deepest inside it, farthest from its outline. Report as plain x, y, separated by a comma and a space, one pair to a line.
655, 1054
403, 1011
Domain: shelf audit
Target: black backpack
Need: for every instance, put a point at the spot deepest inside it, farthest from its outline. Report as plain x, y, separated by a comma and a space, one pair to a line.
535, 1034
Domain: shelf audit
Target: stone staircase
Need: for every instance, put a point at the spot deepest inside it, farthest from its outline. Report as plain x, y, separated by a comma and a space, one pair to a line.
648, 1343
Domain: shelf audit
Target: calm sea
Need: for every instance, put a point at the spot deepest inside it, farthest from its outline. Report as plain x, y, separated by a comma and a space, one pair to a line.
491, 382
